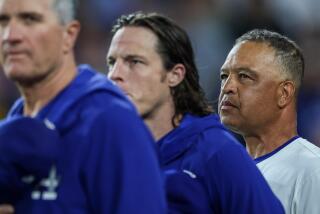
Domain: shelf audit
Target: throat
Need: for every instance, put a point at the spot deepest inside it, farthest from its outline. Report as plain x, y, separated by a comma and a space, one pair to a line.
159, 128
40, 94
256, 150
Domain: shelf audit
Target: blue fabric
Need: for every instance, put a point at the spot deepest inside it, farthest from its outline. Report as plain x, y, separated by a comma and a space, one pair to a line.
208, 171
106, 159
24, 143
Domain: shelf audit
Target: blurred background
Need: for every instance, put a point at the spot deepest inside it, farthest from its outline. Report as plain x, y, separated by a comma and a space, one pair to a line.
213, 25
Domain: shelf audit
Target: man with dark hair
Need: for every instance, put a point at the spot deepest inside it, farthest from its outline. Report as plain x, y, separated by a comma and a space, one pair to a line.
151, 59
260, 81
72, 143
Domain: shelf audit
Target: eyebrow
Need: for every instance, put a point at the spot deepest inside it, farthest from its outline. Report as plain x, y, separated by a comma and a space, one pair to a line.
22, 15
238, 69
128, 56
31, 13
131, 56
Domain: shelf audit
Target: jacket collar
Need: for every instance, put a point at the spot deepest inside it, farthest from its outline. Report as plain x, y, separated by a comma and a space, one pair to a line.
182, 138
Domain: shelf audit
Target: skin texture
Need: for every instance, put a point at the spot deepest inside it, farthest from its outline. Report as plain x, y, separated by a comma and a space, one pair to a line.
6, 209
36, 50
31, 42
256, 98
136, 66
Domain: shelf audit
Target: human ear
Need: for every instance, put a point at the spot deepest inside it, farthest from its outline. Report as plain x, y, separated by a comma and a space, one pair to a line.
176, 75
286, 93
70, 35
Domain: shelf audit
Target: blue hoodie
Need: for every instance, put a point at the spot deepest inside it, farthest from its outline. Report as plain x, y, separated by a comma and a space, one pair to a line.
208, 171
105, 163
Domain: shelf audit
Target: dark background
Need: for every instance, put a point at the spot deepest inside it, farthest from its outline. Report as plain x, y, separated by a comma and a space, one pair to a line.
213, 25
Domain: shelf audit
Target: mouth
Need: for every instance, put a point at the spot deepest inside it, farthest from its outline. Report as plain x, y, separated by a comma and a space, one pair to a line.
227, 105
127, 94
12, 55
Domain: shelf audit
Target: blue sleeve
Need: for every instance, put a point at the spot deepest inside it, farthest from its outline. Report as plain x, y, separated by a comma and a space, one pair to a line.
238, 185
24, 155
121, 172
185, 194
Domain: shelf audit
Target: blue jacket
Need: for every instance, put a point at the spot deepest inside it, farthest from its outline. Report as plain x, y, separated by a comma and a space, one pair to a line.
208, 171
105, 161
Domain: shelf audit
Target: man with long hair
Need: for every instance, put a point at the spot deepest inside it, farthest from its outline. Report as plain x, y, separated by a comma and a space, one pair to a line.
208, 171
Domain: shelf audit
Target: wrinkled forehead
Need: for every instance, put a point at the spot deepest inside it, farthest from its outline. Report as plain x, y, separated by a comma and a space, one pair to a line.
20, 6
248, 54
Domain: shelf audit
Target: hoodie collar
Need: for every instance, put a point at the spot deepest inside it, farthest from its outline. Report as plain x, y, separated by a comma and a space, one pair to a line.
86, 82
180, 139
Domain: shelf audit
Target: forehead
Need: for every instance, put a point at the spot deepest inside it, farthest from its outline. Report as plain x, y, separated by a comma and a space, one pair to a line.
21, 6
254, 55
138, 39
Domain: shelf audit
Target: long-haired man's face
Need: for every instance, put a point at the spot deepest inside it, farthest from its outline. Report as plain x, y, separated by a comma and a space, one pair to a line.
137, 68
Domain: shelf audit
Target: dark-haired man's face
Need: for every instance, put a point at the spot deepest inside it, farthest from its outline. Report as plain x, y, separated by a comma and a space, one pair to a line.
137, 68
250, 80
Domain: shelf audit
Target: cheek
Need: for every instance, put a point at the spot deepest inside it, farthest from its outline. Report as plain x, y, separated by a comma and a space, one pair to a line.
146, 90
220, 97
1, 55
50, 41
258, 104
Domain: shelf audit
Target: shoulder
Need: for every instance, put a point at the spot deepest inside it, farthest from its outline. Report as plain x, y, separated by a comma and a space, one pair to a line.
300, 160
305, 155
218, 148
309, 149
307, 159
217, 140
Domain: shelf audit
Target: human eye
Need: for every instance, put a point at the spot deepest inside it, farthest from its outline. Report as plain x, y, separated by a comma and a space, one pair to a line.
135, 61
4, 19
223, 76
30, 18
244, 76
110, 62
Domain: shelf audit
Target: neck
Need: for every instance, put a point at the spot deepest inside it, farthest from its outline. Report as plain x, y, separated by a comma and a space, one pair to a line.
270, 138
38, 95
160, 122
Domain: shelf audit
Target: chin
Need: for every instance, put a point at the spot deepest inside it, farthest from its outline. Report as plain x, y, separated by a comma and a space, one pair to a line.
229, 123
25, 78
14, 72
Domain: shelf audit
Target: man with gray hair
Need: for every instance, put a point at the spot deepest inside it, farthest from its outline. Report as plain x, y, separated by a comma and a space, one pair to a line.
260, 81
72, 143
151, 58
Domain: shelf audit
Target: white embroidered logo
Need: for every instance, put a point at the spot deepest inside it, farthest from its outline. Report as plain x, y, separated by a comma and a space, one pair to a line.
50, 184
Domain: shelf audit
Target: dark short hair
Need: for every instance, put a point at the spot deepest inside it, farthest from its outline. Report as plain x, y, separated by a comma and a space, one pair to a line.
174, 47
288, 53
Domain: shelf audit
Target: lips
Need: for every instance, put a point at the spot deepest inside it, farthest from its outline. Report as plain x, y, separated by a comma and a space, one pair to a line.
14, 54
227, 105
125, 91
13, 50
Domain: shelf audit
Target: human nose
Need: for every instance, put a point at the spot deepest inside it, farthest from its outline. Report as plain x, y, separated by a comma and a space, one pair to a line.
11, 33
229, 85
116, 72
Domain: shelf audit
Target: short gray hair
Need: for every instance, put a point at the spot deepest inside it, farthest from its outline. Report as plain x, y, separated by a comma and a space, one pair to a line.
66, 10
287, 51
